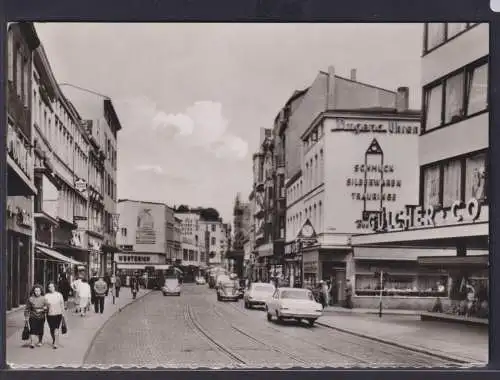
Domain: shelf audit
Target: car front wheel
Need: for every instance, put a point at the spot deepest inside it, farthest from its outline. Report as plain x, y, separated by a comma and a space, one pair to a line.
269, 316
311, 322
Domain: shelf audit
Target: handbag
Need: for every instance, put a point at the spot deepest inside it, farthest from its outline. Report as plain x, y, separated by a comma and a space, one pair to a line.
64, 327
26, 331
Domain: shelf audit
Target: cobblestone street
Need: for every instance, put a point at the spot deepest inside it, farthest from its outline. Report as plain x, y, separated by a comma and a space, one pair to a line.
196, 330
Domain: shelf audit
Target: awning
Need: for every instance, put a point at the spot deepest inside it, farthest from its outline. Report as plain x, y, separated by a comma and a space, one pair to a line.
57, 256
463, 261
265, 250
398, 254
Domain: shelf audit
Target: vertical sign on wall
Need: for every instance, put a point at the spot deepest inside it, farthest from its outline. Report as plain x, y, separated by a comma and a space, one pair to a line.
373, 179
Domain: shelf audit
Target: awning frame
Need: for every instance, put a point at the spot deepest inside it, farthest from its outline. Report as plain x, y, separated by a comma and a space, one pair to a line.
57, 255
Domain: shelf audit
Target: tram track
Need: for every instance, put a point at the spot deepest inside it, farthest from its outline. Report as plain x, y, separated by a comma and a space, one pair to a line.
420, 357
195, 325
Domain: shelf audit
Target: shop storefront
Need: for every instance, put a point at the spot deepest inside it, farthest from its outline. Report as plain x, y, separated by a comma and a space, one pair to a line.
50, 264
18, 249
292, 268
426, 253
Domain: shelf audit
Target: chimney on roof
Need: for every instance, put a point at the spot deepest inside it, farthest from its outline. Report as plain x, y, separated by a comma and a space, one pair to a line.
353, 75
330, 92
402, 99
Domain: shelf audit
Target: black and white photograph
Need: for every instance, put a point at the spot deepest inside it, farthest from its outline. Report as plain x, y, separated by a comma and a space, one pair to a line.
247, 195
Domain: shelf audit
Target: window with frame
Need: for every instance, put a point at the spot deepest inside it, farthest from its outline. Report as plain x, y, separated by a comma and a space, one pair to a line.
477, 90
452, 181
213, 241
124, 232
19, 71
431, 184
463, 94
436, 34
476, 177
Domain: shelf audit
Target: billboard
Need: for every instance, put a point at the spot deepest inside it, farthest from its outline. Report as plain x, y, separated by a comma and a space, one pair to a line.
143, 226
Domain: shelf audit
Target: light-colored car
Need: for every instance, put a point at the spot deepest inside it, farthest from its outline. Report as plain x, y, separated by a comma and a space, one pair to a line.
293, 303
171, 287
221, 278
258, 294
228, 290
200, 280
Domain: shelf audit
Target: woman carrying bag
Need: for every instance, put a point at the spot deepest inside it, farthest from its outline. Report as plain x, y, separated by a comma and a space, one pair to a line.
55, 313
34, 316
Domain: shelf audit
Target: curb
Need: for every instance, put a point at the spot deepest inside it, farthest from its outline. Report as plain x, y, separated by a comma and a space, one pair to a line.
399, 345
98, 331
415, 314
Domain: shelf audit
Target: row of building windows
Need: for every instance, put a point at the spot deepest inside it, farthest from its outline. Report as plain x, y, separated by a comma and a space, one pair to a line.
95, 219
110, 187
189, 255
462, 94
437, 33
456, 179
18, 68
316, 135
314, 213
313, 176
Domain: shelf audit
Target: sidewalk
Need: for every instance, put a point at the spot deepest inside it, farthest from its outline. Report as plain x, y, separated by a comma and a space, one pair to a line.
448, 340
338, 309
73, 345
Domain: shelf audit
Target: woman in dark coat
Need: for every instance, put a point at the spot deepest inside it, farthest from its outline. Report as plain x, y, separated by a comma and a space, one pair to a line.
64, 288
34, 314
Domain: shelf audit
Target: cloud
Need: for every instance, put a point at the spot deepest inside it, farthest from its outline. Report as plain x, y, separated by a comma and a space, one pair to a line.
149, 168
231, 147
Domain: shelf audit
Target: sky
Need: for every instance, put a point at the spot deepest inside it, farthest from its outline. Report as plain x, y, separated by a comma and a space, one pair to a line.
192, 98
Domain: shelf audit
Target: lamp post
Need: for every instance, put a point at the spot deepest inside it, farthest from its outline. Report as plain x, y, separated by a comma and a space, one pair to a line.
116, 218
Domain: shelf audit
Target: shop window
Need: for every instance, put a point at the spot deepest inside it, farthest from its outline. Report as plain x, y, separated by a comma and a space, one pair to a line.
476, 177
478, 90
452, 180
431, 181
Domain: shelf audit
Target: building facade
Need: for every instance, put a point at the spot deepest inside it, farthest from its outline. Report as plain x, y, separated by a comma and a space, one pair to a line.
193, 239
102, 125
22, 40
241, 231
143, 235
216, 244
355, 152
450, 244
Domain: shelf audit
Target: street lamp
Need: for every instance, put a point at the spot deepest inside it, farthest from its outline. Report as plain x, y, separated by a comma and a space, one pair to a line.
116, 218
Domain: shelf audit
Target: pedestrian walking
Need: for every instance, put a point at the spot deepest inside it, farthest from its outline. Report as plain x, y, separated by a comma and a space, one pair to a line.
85, 296
100, 288
92, 282
55, 312
75, 286
34, 315
65, 288
134, 286
348, 295
325, 289
118, 285
107, 280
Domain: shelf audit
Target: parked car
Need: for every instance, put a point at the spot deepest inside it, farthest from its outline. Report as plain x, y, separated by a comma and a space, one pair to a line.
228, 290
258, 294
293, 303
200, 280
171, 287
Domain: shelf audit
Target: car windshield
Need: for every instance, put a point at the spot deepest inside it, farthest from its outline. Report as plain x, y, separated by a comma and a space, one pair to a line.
264, 288
297, 295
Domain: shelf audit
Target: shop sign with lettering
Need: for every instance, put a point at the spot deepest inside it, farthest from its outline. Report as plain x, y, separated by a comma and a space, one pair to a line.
311, 267
390, 127
413, 217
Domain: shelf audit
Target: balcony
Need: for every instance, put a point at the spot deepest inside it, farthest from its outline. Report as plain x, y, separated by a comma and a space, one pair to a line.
20, 163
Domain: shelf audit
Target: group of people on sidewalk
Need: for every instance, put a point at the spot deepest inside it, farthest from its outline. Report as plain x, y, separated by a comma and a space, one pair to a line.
42, 307
50, 307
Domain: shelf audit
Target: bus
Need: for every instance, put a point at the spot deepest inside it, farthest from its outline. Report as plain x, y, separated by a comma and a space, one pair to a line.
150, 276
